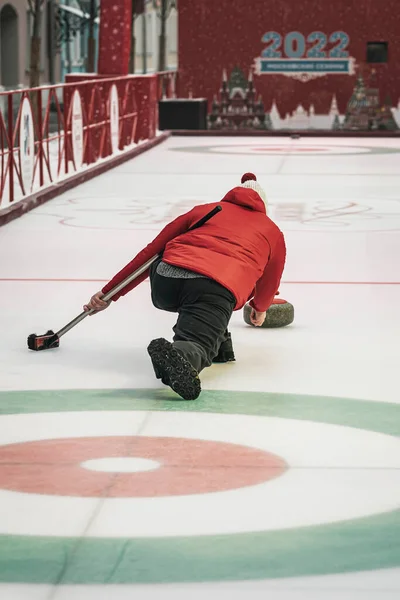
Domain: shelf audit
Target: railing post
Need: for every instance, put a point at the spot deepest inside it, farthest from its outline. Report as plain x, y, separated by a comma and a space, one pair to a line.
170, 86
65, 109
10, 117
40, 135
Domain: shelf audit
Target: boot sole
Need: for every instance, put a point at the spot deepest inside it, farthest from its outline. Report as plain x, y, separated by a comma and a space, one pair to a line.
170, 366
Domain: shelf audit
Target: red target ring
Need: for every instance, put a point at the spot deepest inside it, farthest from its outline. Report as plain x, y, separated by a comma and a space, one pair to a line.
288, 149
187, 466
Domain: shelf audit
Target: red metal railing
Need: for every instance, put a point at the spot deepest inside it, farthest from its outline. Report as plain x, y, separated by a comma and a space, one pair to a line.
50, 133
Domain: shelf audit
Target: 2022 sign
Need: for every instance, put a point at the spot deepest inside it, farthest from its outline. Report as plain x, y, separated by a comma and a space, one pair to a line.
304, 57
295, 45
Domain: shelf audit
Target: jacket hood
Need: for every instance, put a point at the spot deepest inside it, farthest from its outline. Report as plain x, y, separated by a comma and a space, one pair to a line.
245, 197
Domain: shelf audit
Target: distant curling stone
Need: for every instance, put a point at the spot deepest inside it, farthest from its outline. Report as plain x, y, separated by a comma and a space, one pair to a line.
279, 314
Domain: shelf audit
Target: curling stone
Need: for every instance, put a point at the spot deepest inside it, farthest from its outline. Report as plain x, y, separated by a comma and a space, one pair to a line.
279, 314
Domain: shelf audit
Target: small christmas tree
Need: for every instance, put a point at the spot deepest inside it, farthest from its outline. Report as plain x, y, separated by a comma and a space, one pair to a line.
387, 120
268, 122
357, 111
334, 107
336, 123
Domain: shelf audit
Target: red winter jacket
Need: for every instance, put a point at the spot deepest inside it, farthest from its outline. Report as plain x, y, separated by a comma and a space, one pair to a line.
240, 248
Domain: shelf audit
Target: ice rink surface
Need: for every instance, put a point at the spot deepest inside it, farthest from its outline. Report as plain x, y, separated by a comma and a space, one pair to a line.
283, 478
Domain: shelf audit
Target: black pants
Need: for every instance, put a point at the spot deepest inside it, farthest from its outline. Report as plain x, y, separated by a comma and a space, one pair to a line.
204, 307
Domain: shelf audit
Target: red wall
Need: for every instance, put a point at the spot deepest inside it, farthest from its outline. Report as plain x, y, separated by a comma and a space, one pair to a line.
218, 34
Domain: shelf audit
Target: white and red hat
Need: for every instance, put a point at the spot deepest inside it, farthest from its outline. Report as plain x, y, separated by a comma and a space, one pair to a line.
249, 180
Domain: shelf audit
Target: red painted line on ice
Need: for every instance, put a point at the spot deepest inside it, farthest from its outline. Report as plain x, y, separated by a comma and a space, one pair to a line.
59, 280
341, 282
55, 280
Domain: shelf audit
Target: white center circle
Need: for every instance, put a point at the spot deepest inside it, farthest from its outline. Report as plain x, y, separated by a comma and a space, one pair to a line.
121, 464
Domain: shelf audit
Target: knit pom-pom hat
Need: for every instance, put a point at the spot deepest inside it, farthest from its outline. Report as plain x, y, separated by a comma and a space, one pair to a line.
249, 180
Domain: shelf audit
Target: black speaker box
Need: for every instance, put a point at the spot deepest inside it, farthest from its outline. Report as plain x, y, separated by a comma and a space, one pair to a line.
183, 113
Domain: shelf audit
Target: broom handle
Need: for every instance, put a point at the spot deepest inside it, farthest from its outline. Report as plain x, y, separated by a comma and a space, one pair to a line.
131, 277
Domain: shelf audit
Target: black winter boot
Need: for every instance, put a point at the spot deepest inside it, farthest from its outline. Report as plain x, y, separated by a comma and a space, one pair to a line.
225, 353
173, 369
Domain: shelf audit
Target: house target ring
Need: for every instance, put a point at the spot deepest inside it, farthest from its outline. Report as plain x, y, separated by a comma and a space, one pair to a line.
239, 485
289, 148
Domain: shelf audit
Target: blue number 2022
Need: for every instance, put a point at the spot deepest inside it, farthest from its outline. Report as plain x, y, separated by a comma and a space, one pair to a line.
272, 50
339, 50
295, 45
317, 50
